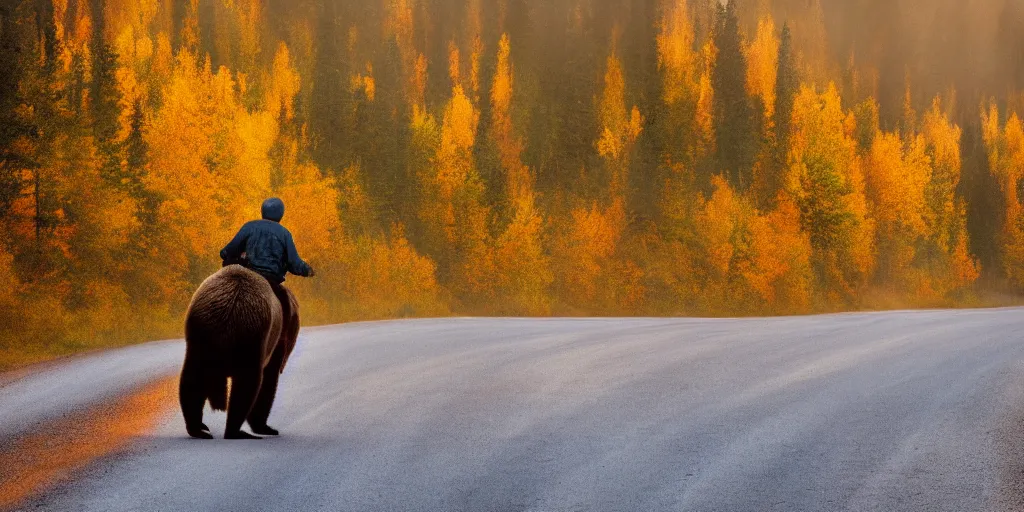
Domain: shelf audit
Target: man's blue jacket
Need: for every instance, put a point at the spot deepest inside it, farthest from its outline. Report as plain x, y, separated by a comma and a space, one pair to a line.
269, 248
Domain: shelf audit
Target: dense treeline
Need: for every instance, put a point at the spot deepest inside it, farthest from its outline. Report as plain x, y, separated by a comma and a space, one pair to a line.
508, 157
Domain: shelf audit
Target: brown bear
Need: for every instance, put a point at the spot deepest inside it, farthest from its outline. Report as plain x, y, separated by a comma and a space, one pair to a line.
234, 329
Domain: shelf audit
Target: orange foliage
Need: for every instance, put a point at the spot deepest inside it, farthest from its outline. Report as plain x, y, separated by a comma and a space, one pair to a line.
354, 204
312, 202
922, 234
190, 27
948, 212
676, 58
377, 278
284, 85
784, 255
452, 212
8, 294
399, 26
520, 263
897, 175
762, 65
620, 128
824, 179
1006, 160
705, 105
749, 262
497, 225
163, 59
209, 159
583, 253
365, 83
501, 103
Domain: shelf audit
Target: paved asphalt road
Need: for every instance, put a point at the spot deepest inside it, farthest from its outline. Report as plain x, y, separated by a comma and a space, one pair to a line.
914, 411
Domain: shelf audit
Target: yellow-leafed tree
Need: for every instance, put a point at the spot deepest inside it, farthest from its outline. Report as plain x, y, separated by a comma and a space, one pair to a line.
522, 268
1005, 145
824, 180
209, 164
955, 269
897, 174
454, 218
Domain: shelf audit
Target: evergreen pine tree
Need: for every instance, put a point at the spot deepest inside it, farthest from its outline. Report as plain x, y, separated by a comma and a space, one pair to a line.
787, 84
105, 101
135, 148
14, 57
734, 121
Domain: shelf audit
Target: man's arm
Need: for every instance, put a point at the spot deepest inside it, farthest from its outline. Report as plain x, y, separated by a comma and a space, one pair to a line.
236, 246
295, 264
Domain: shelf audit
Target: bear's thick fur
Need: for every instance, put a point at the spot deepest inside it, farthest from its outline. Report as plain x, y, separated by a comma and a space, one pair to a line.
234, 329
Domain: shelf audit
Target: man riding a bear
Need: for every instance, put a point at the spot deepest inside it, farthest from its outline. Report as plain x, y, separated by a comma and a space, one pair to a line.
234, 330
266, 247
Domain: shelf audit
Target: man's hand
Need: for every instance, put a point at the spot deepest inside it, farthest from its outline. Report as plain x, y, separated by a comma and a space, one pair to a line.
241, 260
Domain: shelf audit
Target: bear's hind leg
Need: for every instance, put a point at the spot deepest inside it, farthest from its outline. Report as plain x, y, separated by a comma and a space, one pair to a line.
192, 396
245, 386
268, 390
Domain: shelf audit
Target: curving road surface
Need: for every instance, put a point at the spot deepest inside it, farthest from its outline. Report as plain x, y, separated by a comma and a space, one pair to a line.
914, 411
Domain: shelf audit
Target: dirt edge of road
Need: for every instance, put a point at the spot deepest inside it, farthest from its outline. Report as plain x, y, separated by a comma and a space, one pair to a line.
53, 451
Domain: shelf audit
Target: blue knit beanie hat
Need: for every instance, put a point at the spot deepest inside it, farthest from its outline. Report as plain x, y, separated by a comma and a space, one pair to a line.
273, 209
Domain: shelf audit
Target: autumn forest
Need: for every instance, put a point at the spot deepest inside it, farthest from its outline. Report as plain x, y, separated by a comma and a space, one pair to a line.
507, 157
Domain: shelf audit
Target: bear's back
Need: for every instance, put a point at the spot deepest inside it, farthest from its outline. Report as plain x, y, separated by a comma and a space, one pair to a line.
233, 306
